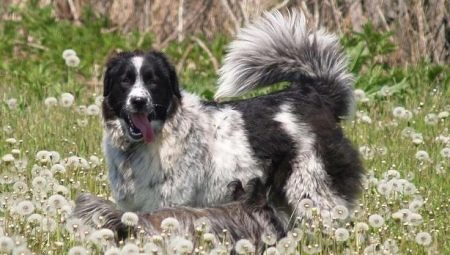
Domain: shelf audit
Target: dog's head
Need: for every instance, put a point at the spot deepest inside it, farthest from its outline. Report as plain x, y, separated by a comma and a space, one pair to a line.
140, 91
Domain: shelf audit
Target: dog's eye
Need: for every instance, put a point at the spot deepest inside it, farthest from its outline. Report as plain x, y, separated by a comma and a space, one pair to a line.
126, 80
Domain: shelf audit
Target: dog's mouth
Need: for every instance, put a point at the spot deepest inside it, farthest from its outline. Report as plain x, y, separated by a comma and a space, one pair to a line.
139, 126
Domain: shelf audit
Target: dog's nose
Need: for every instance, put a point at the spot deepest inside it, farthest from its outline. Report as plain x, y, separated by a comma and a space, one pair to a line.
138, 102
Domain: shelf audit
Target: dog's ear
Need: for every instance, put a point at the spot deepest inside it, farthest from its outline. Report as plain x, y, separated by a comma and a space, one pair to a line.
173, 78
113, 61
235, 190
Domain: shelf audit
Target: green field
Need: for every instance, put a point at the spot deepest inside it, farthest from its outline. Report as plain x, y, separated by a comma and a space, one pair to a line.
50, 145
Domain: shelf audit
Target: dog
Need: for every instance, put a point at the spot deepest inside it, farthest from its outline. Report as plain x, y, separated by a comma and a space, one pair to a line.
164, 146
248, 216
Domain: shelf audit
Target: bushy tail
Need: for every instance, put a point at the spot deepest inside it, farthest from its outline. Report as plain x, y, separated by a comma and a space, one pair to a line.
97, 211
283, 48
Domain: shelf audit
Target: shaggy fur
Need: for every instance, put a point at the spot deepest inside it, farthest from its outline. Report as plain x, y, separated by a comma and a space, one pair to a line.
166, 147
249, 216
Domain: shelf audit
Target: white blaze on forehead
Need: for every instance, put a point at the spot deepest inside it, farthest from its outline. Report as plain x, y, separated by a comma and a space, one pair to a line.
138, 89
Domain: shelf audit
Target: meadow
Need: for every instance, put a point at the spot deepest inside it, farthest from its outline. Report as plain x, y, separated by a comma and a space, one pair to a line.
51, 131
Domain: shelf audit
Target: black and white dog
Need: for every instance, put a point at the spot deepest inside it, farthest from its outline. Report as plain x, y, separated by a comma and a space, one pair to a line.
167, 147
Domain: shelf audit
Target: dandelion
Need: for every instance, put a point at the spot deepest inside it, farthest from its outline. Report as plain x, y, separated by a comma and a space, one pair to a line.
54, 156
58, 168
68, 53
399, 112
391, 174
181, 245
361, 227
56, 201
341, 234
82, 122
6, 244
25, 208
43, 156
296, 234
98, 100
415, 219
116, 251
407, 132
431, 119
48, 224
11, 141
312, 249
73, 225
12, 103
423, 238
93, 110
415, 205
21, 250
50, 101
39, 183
244, 246
61, 189
78, 250
366, 152
72, 61
94, 161
20, 187
443, 115
445, 153
340, 212
209, 238
366, 119
8, 158
21, 164
271, 251
384, 188
422, 155
170, 224
372, 249
359, 95
66, 100
130, 219
34, 219
390, 246
385, 91
409, 188
81, 109
402, 214
417, 138
376, 220
305, 206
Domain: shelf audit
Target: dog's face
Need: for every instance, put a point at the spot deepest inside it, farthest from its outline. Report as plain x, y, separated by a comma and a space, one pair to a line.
141, 91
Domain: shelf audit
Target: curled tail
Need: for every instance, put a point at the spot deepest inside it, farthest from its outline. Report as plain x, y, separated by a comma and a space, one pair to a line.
280, 48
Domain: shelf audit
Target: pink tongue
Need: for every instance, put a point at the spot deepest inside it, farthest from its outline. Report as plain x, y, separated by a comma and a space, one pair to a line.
143, 124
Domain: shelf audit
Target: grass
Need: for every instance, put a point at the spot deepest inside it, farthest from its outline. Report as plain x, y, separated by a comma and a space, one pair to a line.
32, 69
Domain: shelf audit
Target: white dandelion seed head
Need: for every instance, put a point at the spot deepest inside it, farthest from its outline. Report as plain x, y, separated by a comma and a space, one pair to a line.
152, 248
47, 174
385, 91
57, 201
244, 246
72, 61
443, 115
417, 138
181, 245
445, 153
271, 251
39, 183
93, 110
209, 238
431, 119
35, 219
82, 122
12, 103
130, 219
48, 224
94, 161
25, 208
359, 95
376, 220
20, 187
11, 140
407, 132
384, 188
341, 234
366, 152
99, 100
81, 109
8, 158
21, 250
6, 244
409, 189
366, 119
78, 250
311, 249
21, 164
361, 227
399, 112
74, 225
390, 246
391, 174
114, 251
68, 53
58, 168
414, 219
340, 212
402, 214
50, 101
415, 205
422, 155
445, 139
423, 238
43, 156
305, 206
203, 224
170, 224
296, 234
66, 100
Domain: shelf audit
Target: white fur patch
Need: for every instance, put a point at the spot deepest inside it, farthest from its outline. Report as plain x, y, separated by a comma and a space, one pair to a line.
308, 178
138, 89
